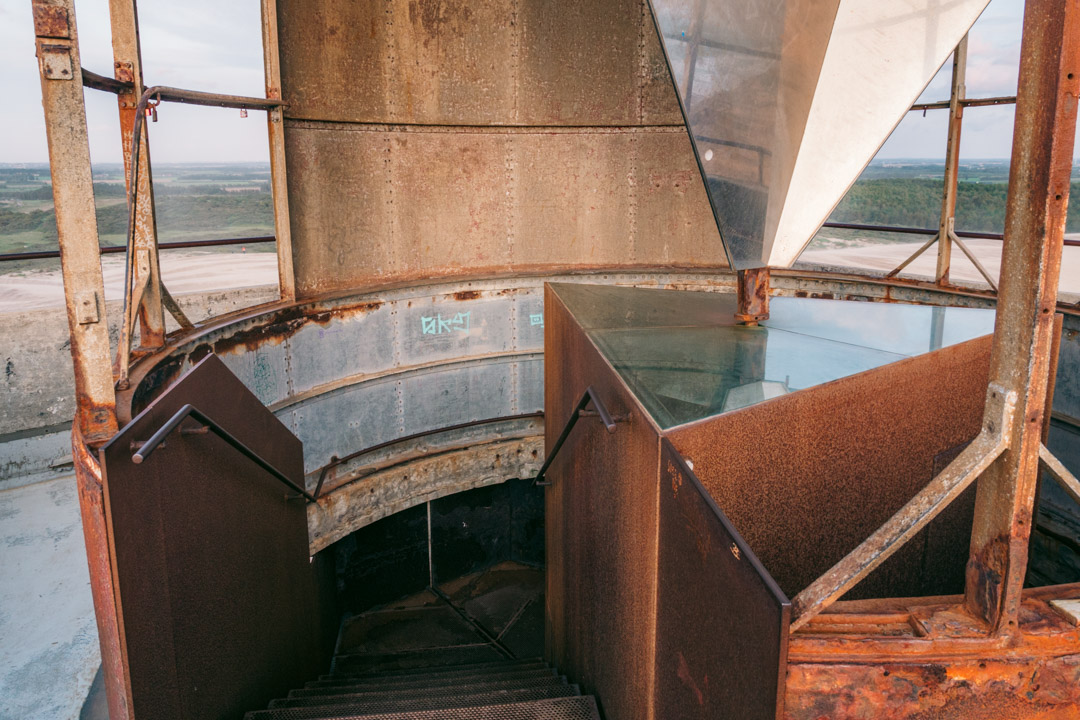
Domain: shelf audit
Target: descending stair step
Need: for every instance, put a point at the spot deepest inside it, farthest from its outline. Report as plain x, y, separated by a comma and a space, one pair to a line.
571, 708
487, 669
366, 692
406, 703
414, 681
427, 659
434, 670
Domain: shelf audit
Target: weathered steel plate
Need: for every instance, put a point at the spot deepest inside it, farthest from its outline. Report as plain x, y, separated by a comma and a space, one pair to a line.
218, 600
600, 529
721, 620
808, 476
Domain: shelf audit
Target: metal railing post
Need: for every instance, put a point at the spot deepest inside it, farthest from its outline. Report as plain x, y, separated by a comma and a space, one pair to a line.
947, 223
145, 271
1042, 159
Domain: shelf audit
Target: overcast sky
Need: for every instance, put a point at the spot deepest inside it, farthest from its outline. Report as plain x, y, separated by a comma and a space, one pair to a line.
214, 45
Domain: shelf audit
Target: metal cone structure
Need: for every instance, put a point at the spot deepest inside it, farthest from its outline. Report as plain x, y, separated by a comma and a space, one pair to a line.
788, 100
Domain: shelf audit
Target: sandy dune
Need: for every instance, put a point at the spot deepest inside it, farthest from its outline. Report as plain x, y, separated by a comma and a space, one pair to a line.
183, 272
886, 257
194, 271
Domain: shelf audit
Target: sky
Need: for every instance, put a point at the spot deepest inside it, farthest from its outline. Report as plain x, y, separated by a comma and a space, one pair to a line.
215, 45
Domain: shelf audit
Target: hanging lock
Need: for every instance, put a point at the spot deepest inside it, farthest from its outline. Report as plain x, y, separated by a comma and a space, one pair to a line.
151, 111
243, 112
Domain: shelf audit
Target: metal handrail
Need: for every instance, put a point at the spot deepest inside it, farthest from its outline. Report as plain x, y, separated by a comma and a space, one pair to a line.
208, 424
117, 249
925, 231
579, 411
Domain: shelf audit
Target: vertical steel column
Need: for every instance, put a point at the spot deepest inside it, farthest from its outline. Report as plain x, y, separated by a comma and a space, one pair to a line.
275, 130
1043, 139
947, 223
73, 197
752, 292
127, 66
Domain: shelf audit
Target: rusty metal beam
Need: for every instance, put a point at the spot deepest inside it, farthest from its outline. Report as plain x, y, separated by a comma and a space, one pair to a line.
916, 513
275, 131
1052, 465
752, 290
973, 102
73, 196
947, 221
107, 84
127, 64
1031, 261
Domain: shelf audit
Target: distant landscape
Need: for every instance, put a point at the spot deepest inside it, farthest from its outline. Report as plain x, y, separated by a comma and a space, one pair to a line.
193, 202
209, 201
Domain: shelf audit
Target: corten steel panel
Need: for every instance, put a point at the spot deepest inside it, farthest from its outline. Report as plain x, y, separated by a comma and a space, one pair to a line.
218, 601
465, 62
808, 476
601, 529
722, 621
340, 206
580, 63
573, 199
371, 205
450, 214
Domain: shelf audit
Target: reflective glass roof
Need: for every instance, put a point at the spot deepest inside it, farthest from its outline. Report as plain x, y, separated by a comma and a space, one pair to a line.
685, 359
788, 100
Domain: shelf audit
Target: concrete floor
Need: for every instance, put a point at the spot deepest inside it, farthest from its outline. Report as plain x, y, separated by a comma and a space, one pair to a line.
48, 638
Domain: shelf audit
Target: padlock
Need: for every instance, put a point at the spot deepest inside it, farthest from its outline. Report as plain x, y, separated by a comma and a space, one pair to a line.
243, 112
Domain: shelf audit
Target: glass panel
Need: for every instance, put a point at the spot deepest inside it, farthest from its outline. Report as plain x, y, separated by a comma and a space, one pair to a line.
787, 100
684, 358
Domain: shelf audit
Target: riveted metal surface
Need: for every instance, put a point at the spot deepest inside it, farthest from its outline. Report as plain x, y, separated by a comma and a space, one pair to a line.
722, 622
601, 529
205, 546
794, 474
526, 62
368, 203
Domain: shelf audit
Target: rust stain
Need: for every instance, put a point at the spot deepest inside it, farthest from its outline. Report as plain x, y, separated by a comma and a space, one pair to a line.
688, 680
467, 295
51, 21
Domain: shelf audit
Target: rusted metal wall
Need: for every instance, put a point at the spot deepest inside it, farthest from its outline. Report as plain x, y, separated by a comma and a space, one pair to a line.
457, 138
722, 622
219, 607
601, 525
808, 476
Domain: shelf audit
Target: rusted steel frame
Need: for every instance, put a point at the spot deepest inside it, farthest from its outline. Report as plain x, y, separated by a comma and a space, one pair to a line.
900, 230
926, 246
1052, 465
335, 462
127, 65
1030, 265
991, 442
973, 102
589, 396
153, 284
275, 133
95, 534
752, 291
974, 261
107, 84
73, 198
158, 438
947, 221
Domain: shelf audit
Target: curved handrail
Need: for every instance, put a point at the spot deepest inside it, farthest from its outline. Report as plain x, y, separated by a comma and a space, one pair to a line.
190, 410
